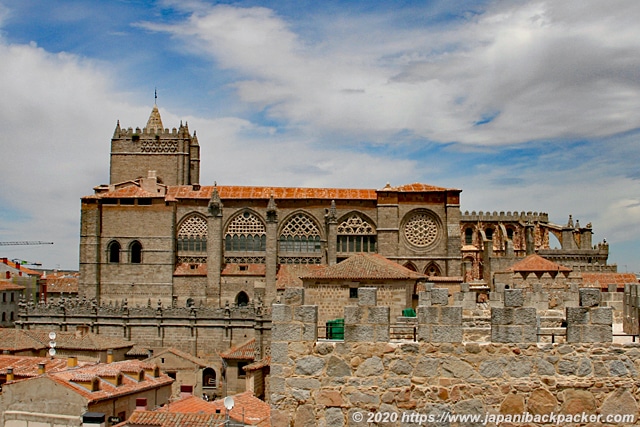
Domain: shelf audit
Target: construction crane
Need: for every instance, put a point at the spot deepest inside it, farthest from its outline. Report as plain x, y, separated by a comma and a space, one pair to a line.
32, 242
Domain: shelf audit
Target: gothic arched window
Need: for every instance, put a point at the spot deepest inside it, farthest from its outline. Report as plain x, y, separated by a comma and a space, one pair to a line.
192, 234
113, 252
246, 233
300, 234
468, 236
355, 234
135, 252
242, 299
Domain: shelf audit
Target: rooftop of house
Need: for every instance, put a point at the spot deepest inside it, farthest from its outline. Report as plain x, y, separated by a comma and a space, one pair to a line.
181, 354
603, 280
6, 285
27, 366
15, 266
246, 351
22, 339
536, 264
172, 419
365, 266
109, 380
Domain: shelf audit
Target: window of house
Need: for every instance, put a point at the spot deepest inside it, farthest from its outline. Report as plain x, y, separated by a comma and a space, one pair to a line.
353, 292
241, 372
135, 252
242, 299
114, 252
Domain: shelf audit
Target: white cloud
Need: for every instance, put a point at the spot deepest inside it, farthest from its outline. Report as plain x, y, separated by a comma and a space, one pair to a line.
542, 69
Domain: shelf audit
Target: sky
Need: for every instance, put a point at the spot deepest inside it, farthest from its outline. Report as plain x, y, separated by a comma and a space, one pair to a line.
524, 105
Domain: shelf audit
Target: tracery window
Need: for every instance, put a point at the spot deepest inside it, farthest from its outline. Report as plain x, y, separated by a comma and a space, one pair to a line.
246, 232
192, 235
300, 234
421, 229
355, 234
432, 270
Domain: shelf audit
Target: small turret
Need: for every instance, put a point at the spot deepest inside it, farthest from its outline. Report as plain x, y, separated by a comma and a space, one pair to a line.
155, 121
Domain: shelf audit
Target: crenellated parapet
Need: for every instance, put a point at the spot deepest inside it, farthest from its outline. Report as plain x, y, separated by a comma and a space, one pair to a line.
505, 216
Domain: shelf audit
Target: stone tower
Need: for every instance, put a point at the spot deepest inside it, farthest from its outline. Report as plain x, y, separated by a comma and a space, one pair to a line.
174, 155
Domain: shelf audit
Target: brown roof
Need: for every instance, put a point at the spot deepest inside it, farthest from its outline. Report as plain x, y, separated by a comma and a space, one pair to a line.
416, 187
172, 419
6, 285
603, 280
536, 264
185, 269
244, 270
62, 284
246, 351
366, 266
265, 361
247, 407
27, 366
22, 268
19, 340
129, 191
72, 379
288, 275
241, 192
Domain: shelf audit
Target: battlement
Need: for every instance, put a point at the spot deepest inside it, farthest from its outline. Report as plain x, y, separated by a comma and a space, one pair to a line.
131, 133
505, 216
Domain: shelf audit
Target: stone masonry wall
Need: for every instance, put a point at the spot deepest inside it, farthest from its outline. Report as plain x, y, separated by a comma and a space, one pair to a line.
351, 382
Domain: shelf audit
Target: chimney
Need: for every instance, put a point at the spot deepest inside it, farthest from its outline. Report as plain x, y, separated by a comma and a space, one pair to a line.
10, 374
109, 356
186, 390
8, 275
41, 369
141, 404
72, 362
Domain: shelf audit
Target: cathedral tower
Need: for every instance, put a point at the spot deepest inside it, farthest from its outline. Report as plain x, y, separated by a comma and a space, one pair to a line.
174, 155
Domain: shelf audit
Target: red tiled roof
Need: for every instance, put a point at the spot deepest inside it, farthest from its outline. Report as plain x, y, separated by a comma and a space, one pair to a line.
27, 366
288, 275
242, 192
603, 280
6, 285
535, 263
62, 284
127, 191
184, 269
247, 407
19, 340
248, 270
108, 390
189, 404
366, 266
246, 351
22, 268
172, 419
416, 187
266, 361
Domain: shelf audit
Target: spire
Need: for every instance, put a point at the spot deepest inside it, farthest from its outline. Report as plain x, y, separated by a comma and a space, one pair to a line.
155, 122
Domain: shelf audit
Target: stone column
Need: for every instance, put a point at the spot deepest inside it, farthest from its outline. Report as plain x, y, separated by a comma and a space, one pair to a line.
514, 323
589, 322
437, 322
332, 234
271, 257
366, 322
214, 249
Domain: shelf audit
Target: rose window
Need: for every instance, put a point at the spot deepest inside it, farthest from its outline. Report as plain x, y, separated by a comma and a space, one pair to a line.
421, 230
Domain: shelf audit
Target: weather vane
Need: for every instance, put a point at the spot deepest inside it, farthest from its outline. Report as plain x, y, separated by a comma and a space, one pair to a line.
155, 95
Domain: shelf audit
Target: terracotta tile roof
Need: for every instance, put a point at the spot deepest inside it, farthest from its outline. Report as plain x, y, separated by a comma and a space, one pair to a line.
184, 355
288, 275
22, 268
185, 269
246, 351
129, 191
62, 284
138, 350
603, 280
13, 340
6, 285
74, 341
27, 366
242, 192
172, 419
415, 187
244, 270
189, 404
266, 361
366, 266
535, 263
70, 378
247, 407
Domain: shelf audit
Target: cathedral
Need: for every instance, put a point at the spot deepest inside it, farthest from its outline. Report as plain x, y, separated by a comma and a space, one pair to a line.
155, 233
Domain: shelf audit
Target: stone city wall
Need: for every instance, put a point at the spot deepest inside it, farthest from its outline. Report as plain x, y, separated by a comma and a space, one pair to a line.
340, 383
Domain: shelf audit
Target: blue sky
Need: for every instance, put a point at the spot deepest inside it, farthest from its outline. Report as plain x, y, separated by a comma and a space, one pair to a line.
524, 105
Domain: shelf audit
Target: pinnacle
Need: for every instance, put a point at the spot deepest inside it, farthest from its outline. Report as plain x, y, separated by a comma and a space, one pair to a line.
155, 122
